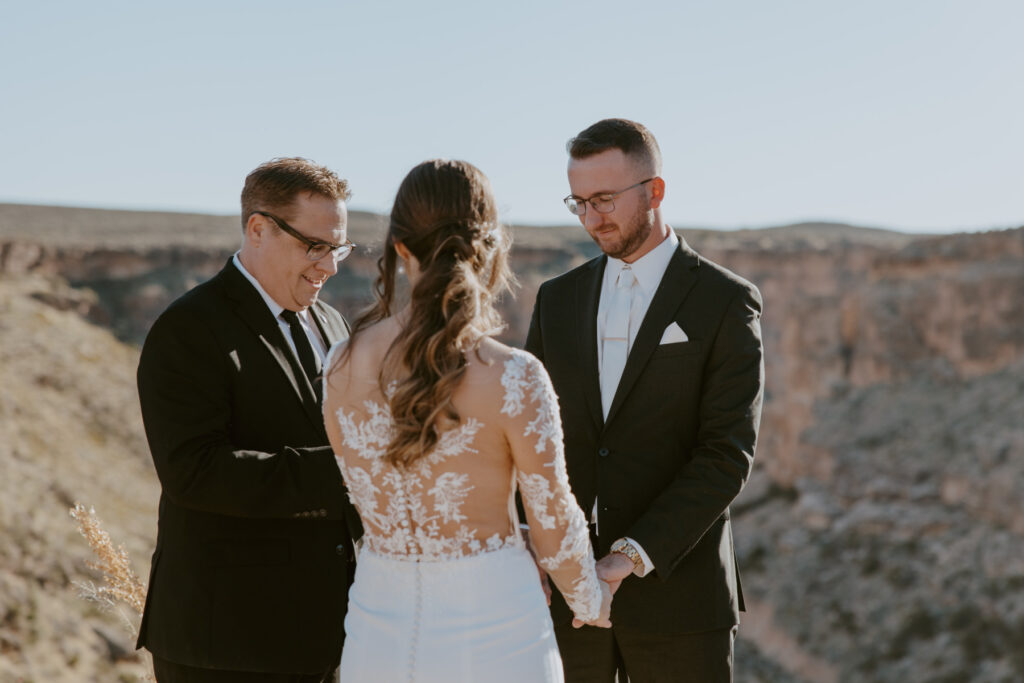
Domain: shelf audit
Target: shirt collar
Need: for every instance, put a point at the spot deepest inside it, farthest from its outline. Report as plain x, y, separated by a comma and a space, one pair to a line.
649, 268
275, 308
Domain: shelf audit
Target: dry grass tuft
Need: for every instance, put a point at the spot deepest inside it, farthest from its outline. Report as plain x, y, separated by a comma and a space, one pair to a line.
121, 584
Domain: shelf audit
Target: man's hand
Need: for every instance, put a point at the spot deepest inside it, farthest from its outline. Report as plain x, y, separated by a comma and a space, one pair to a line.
613, 568
544, 583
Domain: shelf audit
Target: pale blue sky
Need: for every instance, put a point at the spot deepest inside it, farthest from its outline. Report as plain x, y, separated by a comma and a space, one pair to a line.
893, 113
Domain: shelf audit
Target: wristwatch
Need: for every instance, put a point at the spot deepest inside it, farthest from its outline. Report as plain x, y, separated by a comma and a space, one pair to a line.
626, 548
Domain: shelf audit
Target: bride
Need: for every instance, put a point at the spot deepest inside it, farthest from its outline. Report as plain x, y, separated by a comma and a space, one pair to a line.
435, 425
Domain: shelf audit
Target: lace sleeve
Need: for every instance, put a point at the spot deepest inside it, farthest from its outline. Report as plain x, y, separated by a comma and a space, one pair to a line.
558, 529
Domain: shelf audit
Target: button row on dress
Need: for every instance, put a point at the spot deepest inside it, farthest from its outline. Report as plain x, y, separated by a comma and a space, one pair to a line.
417, 610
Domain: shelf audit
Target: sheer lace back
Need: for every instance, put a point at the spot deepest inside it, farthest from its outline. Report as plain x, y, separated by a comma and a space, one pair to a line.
417, 511
458, 500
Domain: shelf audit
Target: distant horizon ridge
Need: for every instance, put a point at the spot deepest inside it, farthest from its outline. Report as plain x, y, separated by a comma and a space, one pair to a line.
795, 223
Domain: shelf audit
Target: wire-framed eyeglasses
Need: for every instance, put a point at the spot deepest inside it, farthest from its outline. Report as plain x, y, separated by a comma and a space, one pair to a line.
602, 203
315, 249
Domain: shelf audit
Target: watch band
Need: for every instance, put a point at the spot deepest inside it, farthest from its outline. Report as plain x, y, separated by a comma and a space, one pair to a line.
626, 548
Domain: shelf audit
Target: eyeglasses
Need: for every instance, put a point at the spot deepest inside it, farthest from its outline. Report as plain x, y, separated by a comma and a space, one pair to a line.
315, 249
602, 203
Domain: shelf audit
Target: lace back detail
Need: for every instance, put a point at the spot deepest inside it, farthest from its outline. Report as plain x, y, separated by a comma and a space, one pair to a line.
455, 501
411, 513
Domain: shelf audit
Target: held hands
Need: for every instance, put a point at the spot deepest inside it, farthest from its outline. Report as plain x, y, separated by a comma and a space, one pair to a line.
603, 620
611, 569
606, 592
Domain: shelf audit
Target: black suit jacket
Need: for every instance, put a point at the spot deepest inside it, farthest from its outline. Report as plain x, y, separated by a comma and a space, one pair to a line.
679, 440
252, 556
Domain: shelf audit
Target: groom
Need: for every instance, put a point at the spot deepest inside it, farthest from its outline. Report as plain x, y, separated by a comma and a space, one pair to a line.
655, 354
253, 553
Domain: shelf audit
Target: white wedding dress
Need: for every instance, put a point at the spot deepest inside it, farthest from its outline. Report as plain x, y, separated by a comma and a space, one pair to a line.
445, 589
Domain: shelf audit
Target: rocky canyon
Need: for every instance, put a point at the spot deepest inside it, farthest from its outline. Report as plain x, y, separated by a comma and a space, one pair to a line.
880, 536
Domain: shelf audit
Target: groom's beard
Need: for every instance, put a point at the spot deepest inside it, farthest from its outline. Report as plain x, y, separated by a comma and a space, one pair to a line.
632, 234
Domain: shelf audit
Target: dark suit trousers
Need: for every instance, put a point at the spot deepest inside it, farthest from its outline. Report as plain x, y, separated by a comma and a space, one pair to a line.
594, 655
169, 672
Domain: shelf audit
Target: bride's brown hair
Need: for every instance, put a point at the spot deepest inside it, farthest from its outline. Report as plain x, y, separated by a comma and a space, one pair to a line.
445, 214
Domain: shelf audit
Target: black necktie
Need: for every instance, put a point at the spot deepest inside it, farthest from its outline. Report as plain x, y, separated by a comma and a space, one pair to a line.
307, 358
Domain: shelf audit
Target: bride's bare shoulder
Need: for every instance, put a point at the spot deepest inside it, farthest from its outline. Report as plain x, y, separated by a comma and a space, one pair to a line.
492, 360
374, 341
364, 353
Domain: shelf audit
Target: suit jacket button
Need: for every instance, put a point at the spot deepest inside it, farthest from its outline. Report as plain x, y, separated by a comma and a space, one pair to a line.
340, 550
603, 452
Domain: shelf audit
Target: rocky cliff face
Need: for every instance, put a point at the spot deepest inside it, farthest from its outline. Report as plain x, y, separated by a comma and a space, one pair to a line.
880, 534
855, 315
70, 430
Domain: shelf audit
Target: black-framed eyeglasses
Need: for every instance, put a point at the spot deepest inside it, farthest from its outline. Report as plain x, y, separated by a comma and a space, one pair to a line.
602, 203
315, 249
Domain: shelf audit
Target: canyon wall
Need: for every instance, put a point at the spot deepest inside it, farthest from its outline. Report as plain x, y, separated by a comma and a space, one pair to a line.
880, 535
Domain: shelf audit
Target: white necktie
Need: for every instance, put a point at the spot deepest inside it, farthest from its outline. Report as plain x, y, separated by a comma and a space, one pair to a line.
615, 344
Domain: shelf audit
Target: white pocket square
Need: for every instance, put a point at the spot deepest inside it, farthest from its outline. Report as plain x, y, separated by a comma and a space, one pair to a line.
673, 334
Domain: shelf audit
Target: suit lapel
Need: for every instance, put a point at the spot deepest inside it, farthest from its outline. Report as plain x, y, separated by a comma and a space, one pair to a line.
253, 311
333, 328
588, 294
679, 277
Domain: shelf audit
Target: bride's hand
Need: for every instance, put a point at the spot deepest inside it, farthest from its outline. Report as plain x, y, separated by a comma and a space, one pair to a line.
603, 620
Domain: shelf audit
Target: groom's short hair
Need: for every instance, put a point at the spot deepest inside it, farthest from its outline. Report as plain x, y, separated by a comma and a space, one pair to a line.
631, 137
274, 185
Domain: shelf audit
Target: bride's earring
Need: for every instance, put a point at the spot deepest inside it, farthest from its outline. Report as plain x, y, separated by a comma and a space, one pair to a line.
402, 252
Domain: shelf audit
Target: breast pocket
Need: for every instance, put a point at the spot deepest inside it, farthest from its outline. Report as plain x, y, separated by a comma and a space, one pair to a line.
686, 348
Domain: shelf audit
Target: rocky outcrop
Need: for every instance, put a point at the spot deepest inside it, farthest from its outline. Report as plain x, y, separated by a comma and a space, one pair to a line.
70, 431
907, 563
862, 314
881, 532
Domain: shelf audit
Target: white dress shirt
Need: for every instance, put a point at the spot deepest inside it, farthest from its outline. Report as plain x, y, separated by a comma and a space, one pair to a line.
311, 329
648, 269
